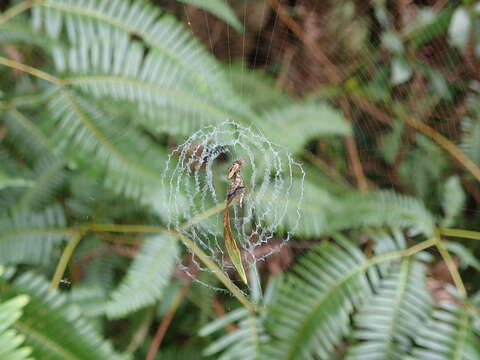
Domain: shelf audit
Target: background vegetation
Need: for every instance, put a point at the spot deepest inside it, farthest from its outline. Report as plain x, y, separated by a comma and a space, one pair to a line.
378, 99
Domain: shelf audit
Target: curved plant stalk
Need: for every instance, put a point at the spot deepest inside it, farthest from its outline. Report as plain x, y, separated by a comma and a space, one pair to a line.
62, 263
452, 268
217, 272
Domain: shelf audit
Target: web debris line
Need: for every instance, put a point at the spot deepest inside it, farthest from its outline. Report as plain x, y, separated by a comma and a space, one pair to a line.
195, 179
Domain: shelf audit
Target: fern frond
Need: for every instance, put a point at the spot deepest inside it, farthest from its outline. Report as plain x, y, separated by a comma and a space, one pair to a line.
450, 334
18, 30
173, 84
246, 342
313, 209
48, 177
220, 9
26, 136
453, 200
146, 278
11, 170
379, 209
85, 20
88, 298
391, 318
11, 343
163, 94
53, 328
133, 163
322, 212
311, 312
292, 126
29, 237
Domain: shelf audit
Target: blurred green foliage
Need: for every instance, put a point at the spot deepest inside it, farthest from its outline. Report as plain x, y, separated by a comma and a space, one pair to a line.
95, 94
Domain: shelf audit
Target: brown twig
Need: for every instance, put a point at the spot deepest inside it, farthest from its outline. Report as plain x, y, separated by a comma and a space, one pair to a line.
167, 319
286, 63
331, 71
446, 144
355, 163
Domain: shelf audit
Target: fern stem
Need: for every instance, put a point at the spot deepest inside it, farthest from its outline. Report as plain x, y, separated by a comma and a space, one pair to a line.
216, 271
149, 228
124, 228
62, 263
419, 247
466, 234
452, 268
18, 9
30, 70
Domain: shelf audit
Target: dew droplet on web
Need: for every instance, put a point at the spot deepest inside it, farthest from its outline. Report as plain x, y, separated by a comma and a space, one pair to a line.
195, 178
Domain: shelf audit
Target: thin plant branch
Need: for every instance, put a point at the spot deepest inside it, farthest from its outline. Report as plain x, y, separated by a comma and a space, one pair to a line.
419, 247
30, 70
167, 319
62, 263
120, 228
217, 272
355, 163
466, 234
452, 268
446, 144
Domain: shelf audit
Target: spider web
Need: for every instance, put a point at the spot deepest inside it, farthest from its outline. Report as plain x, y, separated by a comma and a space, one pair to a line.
195, 178
358, 38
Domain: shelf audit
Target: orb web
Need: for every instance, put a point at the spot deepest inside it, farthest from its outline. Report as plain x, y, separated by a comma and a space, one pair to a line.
196, 184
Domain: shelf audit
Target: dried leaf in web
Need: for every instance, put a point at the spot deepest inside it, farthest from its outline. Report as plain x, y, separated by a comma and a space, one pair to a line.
196, 184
